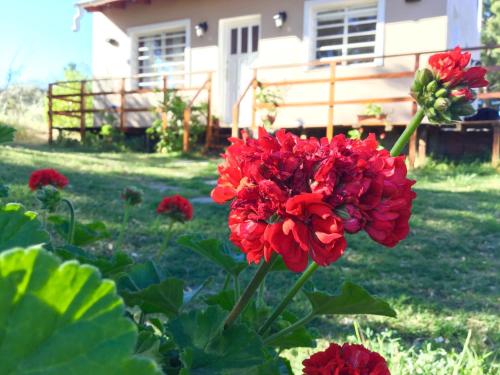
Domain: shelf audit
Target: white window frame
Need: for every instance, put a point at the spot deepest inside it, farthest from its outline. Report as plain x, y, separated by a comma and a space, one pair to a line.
138, 31
313, 7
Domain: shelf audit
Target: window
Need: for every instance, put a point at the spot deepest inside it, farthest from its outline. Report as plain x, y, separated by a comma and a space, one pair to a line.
346, 29
161, 53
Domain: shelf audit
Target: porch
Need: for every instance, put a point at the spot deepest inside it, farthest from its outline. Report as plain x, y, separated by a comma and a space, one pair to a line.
320, 95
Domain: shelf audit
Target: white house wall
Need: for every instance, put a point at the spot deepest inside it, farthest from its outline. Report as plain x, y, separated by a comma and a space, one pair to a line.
408, 27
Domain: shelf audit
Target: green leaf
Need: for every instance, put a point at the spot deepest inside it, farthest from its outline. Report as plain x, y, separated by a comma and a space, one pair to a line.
190, 294
224, 299
109, 266
206, 350
165, 297
85, 234
62, 319
20, 228
6, 134
233, 263
139, 276
353, 299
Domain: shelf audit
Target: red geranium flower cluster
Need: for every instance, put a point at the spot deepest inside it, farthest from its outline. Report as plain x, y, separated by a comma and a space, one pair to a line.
449, 68
345, 360
177, 207
296, 197
44, 177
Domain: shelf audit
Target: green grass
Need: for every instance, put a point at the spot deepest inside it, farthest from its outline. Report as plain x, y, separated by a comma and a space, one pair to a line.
442, 280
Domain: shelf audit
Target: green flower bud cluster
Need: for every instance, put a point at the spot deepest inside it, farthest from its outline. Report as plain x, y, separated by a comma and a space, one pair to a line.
132, 195
49, 197
435, 98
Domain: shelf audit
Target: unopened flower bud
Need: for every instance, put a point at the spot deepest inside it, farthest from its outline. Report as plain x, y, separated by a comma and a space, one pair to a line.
441, 93
441, 104
49, 197
132, 195
422, 78
432, 87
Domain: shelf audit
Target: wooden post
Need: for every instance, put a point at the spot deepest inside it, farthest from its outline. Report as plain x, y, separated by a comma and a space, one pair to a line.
122, 105
164, 117
82, 110
236, 116
255, 83
208, 140
495, 152
187, 120
50, 116
422, 145
331, 99
412, 147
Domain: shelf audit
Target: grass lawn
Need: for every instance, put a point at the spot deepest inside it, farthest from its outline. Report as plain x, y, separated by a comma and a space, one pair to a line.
443, 279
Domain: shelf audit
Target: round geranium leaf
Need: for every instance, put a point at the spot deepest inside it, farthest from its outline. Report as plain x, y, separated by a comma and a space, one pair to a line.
20, 228
62, 319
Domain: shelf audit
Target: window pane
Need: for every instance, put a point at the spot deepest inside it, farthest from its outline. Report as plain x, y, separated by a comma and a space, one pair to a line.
360, 50
255, 38
329, 42
234, 41
158, 54
331, 31
244, 40
328, 54
361, 39
362, 27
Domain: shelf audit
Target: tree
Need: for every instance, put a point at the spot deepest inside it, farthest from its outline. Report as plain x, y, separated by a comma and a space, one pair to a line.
71, 103
490, 35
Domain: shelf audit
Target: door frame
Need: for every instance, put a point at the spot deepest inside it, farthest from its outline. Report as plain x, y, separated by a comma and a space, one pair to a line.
225, 24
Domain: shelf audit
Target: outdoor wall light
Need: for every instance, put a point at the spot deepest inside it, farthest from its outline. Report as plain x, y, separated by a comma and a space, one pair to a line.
113, 42
201, 29
279, 19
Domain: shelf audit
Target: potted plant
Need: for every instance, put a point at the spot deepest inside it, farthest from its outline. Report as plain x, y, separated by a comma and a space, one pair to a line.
372, 112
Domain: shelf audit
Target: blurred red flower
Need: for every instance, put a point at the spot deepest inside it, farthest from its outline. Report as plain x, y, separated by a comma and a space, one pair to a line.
44, 177
177, 207
295, 197
348, 359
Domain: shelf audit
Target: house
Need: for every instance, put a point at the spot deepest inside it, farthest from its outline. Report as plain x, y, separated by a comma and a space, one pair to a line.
146, 39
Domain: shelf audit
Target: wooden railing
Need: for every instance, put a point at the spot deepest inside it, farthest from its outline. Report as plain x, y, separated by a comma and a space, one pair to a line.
79, 90
331, 80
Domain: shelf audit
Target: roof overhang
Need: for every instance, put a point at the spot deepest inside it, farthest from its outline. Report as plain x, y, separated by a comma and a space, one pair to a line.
101, 5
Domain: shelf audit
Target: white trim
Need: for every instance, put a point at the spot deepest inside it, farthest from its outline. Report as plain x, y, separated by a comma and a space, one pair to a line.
135, 32
312, 7
224, 45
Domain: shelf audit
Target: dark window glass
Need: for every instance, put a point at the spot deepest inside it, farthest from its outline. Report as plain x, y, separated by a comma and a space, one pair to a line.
234, 41
244, 40
255, 38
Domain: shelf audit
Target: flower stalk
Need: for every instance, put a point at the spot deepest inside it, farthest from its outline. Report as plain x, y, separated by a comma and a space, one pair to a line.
289, 296
123, 228
290, 328
248, 293
407, 133
71, 228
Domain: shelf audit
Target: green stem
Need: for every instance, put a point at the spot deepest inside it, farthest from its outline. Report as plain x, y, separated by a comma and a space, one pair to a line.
409, 130
291, 328
237, 291
249, 291
289, 296
121, 237
168, 236
71, 228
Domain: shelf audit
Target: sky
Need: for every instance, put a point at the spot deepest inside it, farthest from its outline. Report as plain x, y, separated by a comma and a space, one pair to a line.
36, 40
